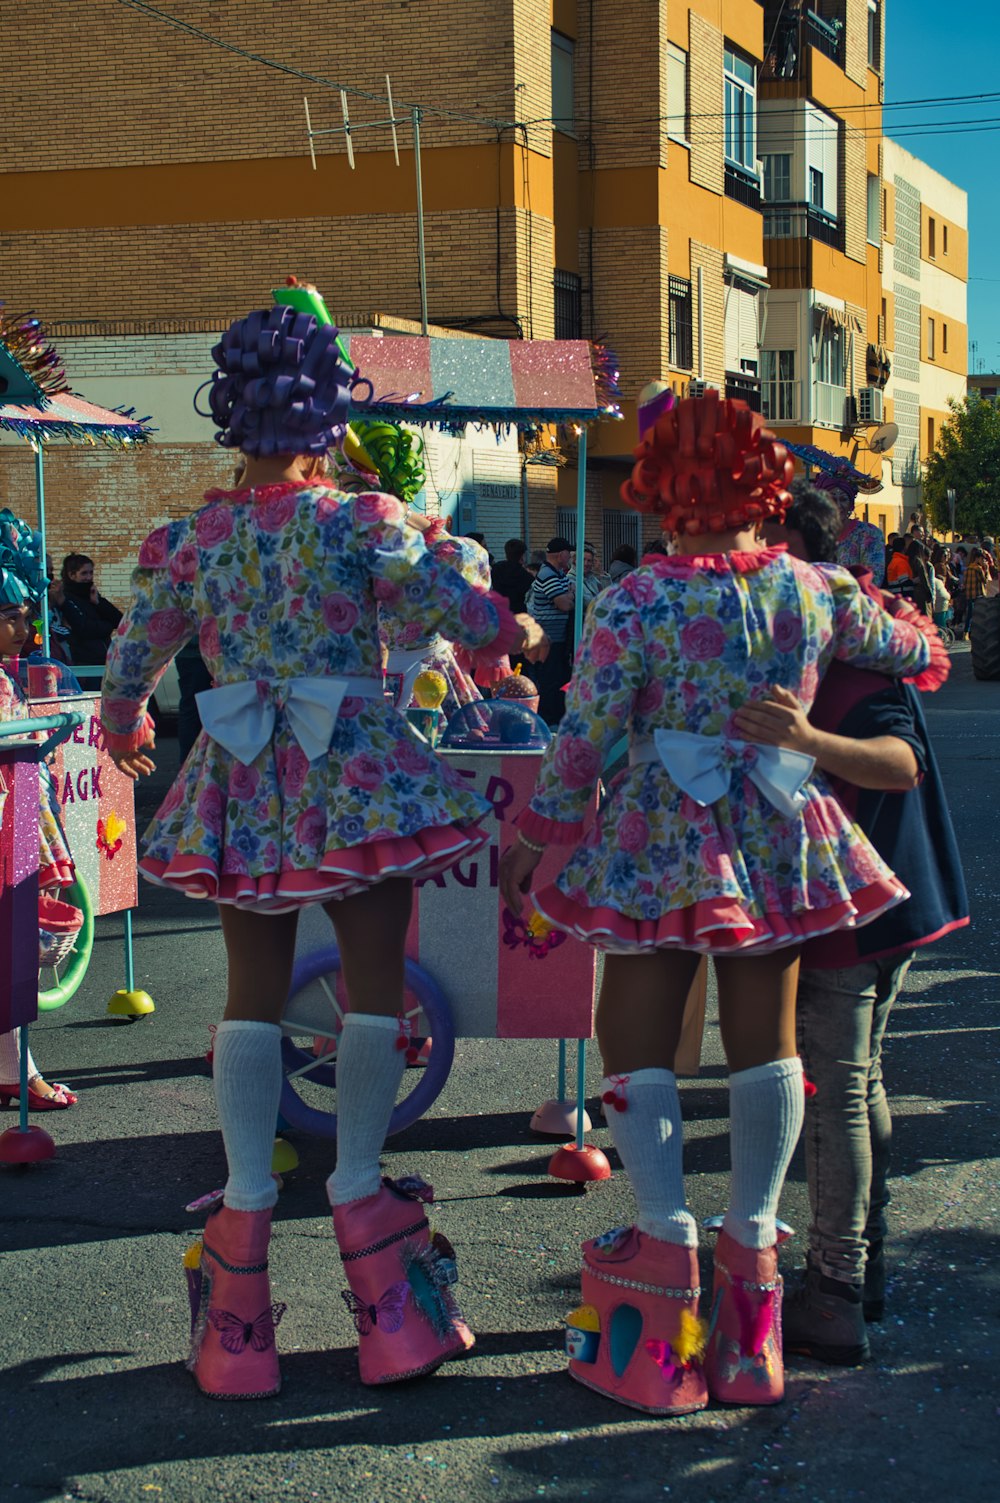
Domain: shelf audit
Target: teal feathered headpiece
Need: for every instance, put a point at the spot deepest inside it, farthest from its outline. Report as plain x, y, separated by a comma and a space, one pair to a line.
23, 577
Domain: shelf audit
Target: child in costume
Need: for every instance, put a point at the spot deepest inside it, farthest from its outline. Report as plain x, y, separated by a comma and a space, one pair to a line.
21, 579
303, 787
704, 845
387, 457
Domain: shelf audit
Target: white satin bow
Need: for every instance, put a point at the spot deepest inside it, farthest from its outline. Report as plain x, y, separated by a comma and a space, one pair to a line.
241, 716
703, 766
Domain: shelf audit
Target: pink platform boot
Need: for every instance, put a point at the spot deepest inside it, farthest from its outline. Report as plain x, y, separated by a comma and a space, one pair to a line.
743, 1361
233, 1355
637, 1337
401, 1280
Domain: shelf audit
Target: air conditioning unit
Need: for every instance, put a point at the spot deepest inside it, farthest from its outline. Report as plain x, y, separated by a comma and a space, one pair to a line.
699, 388
871, 406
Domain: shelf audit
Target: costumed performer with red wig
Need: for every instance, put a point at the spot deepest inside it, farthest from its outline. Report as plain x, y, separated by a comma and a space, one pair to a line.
304, 786
705, 845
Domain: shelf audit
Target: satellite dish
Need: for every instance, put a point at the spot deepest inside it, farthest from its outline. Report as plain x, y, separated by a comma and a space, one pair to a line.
883, 438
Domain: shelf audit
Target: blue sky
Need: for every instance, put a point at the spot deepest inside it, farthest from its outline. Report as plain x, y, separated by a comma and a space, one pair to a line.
934, 51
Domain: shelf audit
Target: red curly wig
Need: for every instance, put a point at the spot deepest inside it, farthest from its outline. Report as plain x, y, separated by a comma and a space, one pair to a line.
710, 466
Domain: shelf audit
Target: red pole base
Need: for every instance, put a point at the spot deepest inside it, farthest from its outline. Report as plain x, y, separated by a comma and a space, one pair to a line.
29, 1147
581, 1165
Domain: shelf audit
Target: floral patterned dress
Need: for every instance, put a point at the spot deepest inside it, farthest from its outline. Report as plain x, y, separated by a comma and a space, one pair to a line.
679, 646
55, 864
282, 586
861, 543
406, 639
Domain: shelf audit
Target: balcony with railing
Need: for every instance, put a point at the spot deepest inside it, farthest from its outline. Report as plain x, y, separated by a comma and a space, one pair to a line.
792, 36
744, 389
829, 405
742, 186
802, 222
781, 401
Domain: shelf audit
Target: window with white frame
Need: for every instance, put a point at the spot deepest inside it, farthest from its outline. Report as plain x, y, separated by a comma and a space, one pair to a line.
741, 111
562, 84
779, 389
874, 36
742, 327
830, 354
874, 210
777, 177
677, 93
681, 324
822, 139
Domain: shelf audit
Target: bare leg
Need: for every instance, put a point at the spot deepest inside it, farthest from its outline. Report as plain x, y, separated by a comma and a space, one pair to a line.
641, 1009
371, 935
757, 1007
260, 950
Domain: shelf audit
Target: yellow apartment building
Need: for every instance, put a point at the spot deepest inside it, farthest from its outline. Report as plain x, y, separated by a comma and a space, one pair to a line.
690, 181
821, 153
925, 273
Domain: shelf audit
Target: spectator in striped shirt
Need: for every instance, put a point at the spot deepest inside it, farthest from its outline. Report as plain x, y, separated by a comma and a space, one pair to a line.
551, 600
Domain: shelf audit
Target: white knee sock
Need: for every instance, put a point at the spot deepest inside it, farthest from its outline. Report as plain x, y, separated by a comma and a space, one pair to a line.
246, 1069
369, 1069
10, 1058
766, 1106
648, 1135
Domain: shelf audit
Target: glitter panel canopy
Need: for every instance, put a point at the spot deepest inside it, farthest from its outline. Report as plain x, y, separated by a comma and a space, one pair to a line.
449, 383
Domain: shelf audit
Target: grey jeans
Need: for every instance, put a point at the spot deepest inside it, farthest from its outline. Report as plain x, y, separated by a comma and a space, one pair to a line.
842, 1016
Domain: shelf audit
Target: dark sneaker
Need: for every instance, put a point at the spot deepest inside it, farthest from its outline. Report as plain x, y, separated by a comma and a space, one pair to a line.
873, 1301
824, 1319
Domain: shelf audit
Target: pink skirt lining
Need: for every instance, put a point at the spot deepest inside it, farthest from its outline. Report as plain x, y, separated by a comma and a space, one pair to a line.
717, 926
341, 874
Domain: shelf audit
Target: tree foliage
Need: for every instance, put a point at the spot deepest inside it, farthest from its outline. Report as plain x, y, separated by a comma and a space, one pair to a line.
966, 460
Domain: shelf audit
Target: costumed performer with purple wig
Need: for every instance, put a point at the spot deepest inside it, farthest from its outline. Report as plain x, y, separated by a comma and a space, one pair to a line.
861, 544
305, 786
705, 845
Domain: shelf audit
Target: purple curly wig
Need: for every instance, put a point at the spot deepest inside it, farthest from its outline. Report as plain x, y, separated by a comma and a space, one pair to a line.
839, 486
282, 386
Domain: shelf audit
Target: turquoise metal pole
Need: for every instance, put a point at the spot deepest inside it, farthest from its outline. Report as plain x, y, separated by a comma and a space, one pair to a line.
40, 493
581, 527
22, 1105
129, 966
581, 1088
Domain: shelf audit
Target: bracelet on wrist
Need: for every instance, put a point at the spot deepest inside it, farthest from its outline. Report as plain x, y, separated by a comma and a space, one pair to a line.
530, 845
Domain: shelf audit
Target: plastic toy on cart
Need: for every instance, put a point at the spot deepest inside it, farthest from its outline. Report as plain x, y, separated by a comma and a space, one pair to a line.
521, 979
38, 406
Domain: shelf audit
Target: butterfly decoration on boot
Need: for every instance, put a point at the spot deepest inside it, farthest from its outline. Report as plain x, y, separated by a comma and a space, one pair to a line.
387, 1314
237, 1334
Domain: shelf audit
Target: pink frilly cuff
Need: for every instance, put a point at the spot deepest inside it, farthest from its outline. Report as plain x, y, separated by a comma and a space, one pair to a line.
509, 638
549, 831
937, 671
129, 741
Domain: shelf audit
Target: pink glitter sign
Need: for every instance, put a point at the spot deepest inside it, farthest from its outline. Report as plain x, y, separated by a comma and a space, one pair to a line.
97, 807
503, 977
18, 889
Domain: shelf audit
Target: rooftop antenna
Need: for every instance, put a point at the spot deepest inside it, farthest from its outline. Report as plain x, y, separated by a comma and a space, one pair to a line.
347, 130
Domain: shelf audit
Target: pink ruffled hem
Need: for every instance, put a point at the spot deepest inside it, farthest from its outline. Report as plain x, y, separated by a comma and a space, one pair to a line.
716, 926
509, 637
341, 874
551, 831
680, 565
129, 741
937, 671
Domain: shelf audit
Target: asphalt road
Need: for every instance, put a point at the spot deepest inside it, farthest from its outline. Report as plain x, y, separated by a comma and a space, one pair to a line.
94, 1400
